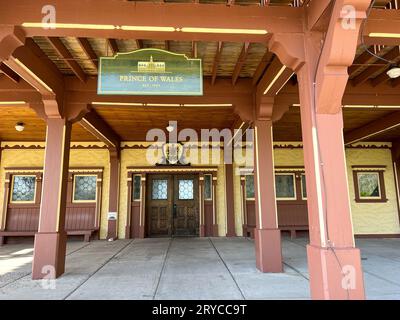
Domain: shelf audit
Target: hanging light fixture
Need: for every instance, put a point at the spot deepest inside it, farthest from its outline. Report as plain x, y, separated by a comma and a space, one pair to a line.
20, 126
393, 72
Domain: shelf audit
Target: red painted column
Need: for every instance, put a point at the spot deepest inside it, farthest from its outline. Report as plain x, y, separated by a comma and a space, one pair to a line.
230, 210
333, 261
50, 241
267, 234
113, 204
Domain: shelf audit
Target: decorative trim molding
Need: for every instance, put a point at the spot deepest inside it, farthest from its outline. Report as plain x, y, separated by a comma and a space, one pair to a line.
170, 169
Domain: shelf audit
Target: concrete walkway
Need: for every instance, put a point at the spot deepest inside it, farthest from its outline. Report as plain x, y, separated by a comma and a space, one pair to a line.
185, 268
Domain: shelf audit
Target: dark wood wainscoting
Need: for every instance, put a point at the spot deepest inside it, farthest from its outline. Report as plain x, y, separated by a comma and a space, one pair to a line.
22, 219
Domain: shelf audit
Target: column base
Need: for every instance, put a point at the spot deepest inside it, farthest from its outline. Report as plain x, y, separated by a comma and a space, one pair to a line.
49, 255
244, 228
141, 232
202, 230
215, 230
127, 232
330, 280
268, 250
112, 229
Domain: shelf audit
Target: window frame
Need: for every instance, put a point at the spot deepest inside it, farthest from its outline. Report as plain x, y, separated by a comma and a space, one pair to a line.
381, 184
140, 187
294, 198
245, 189
211, 187
12, 189
73, 187
303, 174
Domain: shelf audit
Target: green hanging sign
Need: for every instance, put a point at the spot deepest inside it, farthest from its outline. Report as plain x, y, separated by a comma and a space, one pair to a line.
150, 72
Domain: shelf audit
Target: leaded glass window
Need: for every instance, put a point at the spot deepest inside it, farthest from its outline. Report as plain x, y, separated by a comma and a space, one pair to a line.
250, 187
85, 188
303, 186
136, 187
368, 185
186, 190
160, 189
285, 186
24, 188
208, 186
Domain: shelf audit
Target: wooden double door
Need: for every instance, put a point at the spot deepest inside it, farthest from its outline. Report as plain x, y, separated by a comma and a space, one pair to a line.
172, 205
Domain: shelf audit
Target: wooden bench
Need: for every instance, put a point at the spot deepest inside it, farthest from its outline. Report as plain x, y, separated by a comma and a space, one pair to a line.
87, 234
293, 230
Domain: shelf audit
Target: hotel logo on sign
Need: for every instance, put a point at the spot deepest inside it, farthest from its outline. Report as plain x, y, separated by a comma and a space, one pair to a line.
150, 72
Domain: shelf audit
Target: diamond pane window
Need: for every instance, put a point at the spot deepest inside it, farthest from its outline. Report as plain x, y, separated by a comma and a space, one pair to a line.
208, 186
285, 188
185, 189
368, 185
85, 188
24, 188
160, 189
136, 187
250, 187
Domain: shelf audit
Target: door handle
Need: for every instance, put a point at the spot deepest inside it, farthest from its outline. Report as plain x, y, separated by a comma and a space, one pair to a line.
174, 211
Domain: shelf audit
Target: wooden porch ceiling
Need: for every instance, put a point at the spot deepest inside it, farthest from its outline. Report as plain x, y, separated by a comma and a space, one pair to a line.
78, 57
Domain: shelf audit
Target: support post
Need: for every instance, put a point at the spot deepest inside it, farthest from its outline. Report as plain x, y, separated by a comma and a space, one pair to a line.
230, 210
267, 234
50, 241
112, 232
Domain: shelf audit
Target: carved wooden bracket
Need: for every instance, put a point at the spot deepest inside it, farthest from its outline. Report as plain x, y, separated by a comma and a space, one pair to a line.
10, 39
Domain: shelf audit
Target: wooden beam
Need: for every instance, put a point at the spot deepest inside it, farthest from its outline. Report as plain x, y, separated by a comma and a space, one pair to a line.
37, 71
64, 53
240, 62
316, 13
262, 66
87, 48
362, 59
367, 73
93, 123
381, 78
139, 44
384, 22
373, 128
217, 57
112, 43
274, 78
273, 19
166, 45
9, 73
194, 49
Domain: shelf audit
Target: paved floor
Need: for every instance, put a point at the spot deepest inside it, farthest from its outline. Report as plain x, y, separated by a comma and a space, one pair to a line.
215, 268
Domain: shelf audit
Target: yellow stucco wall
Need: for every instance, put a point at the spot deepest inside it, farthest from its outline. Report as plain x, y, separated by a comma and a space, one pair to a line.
78, 158
368, 218
373, 218
137, 158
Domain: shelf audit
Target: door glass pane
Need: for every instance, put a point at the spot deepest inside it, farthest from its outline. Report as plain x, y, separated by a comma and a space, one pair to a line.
85, 188
368, 185
23, 189
208, 186
136, 187
284, 184
160, 189
250, 187
185, 189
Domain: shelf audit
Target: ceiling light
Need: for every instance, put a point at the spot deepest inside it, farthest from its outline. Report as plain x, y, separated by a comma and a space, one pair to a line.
11, 103
223, 30
394, 72
68, 26
171, 126
148, 28
275, 79
384, 35
19, 127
